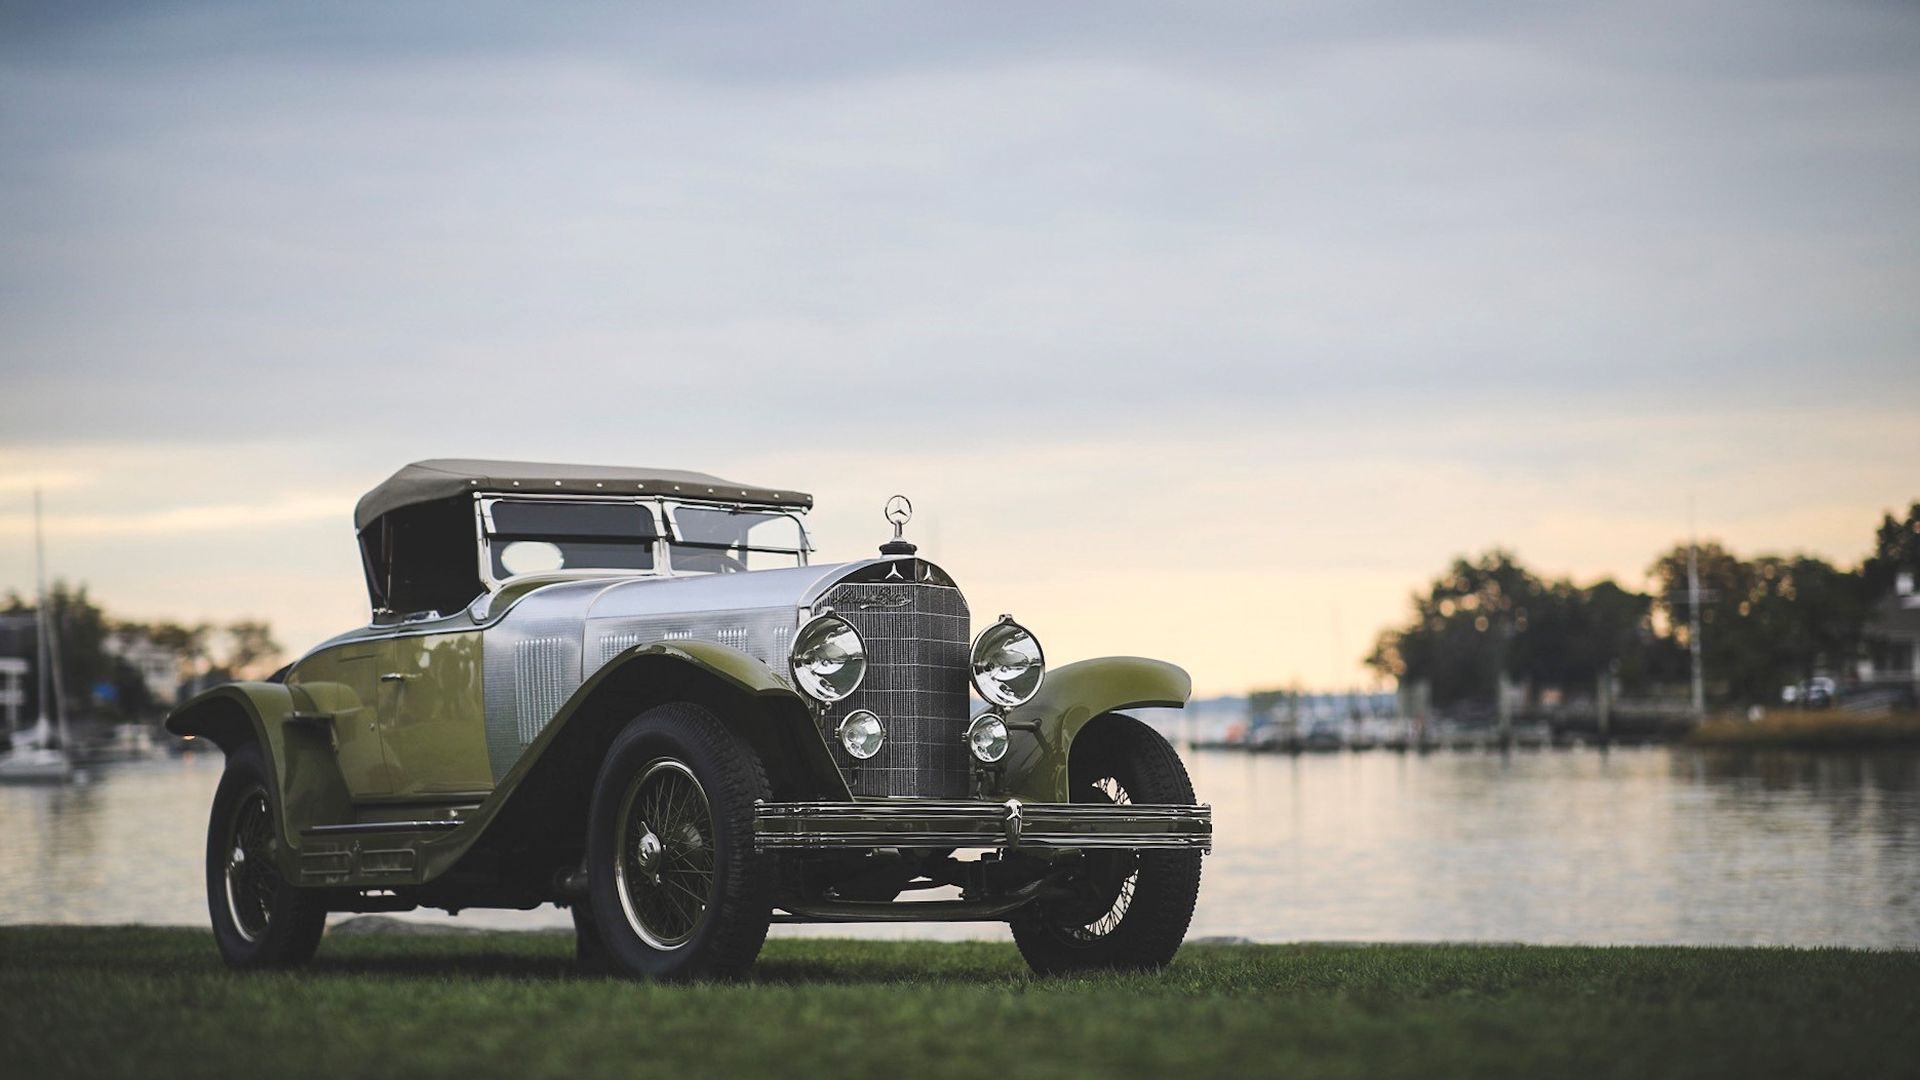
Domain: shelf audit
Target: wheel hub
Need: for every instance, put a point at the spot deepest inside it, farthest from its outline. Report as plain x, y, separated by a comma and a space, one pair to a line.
647, 855
664, 875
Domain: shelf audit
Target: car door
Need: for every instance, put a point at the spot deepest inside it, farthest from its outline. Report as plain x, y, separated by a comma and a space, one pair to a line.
342, 683
433, 722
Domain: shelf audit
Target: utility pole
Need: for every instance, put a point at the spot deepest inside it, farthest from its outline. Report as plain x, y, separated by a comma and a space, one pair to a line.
1603, 702
1503, 685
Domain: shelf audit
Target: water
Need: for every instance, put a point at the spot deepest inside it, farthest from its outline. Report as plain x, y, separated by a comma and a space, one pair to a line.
1637, 846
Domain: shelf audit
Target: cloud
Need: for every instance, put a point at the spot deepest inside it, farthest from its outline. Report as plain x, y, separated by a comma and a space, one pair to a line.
15, 482
1374, 283
1034, 215
226, 520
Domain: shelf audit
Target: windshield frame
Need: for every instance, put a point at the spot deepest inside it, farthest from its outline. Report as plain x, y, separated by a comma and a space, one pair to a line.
669, 510
665, 533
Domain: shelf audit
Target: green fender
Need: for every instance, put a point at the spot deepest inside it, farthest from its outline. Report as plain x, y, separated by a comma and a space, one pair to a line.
1043, 729
736, 667
294, 737
780, 704
639, 677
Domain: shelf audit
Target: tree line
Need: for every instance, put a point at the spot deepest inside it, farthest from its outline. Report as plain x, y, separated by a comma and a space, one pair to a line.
106, 685
1766, 622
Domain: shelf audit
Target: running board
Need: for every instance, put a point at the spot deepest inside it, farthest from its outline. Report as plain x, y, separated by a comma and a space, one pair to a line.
358, 827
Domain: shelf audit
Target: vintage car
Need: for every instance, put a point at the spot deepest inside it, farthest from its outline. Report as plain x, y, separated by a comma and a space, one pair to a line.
630, 692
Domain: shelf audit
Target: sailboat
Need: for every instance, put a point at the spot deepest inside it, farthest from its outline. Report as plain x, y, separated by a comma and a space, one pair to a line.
40, 754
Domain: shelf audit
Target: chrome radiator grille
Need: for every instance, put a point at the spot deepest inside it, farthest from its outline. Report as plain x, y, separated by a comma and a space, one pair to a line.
916, 638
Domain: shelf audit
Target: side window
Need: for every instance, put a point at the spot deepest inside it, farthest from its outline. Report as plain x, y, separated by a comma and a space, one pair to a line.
536, 537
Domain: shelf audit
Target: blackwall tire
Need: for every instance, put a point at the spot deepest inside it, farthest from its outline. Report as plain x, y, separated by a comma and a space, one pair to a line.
674, 884
589, 949
260, 920
1134, 907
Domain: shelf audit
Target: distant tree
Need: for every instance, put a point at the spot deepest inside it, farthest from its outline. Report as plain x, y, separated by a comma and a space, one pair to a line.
1896, 547
1463, 629
1488, 613
92, 677
1765, 622
188, 641
250, 648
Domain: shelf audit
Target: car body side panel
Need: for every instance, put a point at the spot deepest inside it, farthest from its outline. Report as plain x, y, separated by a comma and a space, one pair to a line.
342, 682
1036, 761
431, 715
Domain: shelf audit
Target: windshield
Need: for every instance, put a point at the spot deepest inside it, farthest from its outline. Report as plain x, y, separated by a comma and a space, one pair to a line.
541, 537
710, 540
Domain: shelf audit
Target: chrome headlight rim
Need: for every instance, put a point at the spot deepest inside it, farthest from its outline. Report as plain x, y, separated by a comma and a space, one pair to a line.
997, 693
853, 725
811, 682
988, 738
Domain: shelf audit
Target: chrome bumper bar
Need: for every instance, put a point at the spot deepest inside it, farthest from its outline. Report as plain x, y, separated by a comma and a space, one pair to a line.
955, 823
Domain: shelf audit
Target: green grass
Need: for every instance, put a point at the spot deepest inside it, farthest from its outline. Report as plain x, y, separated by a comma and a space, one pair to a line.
154, 1003
1829, 729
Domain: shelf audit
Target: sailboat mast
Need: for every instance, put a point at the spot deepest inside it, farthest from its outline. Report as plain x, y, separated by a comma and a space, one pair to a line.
49, 629
39, 618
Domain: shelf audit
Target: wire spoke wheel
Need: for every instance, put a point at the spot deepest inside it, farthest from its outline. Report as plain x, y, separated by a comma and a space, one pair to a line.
250, 875
260, 920
664, 854
1118, 909
1108, 884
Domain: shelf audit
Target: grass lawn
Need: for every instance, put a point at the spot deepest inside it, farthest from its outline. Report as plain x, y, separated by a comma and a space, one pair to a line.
155, 1003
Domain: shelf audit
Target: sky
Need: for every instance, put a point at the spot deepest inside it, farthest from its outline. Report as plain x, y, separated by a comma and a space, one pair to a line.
1207, 332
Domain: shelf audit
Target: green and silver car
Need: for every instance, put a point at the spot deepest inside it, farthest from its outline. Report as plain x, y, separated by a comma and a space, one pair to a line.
630, 692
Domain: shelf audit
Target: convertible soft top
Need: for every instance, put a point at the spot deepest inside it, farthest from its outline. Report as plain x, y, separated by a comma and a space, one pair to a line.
441, 478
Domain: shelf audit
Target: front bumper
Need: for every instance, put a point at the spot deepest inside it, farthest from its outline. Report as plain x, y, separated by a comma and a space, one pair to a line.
957, 823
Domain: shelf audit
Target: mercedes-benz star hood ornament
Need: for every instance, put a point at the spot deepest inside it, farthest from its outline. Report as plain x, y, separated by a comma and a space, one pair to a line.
899, 512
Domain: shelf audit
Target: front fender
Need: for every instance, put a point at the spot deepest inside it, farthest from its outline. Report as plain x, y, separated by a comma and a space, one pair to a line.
545, 794
743, 671
1043, 729
782, 730
295, 741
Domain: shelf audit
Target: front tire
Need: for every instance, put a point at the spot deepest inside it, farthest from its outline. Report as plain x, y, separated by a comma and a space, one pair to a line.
1129, 910
676, 889
260, 920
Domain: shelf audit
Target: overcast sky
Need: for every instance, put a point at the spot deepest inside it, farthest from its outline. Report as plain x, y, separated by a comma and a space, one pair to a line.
1206, 331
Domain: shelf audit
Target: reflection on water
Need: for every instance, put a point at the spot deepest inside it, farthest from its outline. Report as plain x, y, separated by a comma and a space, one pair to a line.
1637, 846
1654, 845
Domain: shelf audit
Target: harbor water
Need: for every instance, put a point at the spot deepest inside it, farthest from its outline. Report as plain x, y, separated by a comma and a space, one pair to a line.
1652, 845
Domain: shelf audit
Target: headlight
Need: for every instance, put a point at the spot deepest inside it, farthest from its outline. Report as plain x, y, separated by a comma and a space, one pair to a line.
1007, 663
987, 738
828, 658
862, 734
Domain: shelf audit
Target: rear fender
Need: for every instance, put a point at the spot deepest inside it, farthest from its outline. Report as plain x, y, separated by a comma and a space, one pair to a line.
1043, 730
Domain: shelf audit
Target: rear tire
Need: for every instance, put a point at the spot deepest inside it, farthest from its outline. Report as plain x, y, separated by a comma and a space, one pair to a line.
589, 949
675, 887
1131, 909
260, 920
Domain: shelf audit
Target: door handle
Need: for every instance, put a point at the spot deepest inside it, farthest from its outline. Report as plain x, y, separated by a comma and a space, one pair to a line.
395, 676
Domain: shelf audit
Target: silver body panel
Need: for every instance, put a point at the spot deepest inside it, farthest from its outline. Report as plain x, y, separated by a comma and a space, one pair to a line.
543, 647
